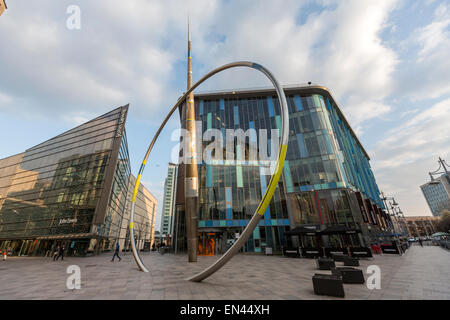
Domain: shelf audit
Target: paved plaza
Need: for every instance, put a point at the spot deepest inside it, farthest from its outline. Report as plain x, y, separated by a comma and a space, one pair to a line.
422, 273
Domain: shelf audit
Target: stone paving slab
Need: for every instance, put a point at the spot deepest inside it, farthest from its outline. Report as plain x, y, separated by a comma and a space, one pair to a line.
422, 273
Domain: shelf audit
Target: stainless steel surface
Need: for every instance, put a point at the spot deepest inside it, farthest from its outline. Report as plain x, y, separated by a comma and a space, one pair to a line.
272, 183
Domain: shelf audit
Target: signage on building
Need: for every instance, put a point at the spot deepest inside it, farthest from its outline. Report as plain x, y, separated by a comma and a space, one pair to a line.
121, 123
66, 221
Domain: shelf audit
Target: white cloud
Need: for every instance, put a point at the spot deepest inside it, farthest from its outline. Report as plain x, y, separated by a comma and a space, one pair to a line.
408, 152
426, 75
339, 47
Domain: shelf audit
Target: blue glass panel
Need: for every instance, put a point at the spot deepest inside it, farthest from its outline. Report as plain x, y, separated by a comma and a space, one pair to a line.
208, 176
332, 185
328, 142
288, 177
278, 122
227, 194
229, 213
298, 102
229, 223
236, 115
235, 223
242, 223
256, 234
240, 181
301, 145
216, 223
267, 222
200, 110
209, 223
286, 222
270, 106
328, 104
209, 121
222, 104
201, 223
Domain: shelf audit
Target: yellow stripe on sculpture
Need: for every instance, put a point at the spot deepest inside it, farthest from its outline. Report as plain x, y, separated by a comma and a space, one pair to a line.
136, 188
131, 225
273, 181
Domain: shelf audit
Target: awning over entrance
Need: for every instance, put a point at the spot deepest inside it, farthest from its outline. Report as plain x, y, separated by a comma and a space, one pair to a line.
331, 229
340, 229
69, 236
311, 231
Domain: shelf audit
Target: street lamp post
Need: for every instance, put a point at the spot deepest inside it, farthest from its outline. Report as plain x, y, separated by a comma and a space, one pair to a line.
393, 205
442, 166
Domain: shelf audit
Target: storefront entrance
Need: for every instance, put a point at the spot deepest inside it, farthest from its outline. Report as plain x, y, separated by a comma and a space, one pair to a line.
206, 244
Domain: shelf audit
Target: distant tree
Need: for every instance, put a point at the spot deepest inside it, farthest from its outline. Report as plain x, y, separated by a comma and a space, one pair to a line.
444, 221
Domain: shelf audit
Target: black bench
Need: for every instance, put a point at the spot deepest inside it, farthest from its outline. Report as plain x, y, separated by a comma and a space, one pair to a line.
291, 252
350, 261
328, 285
325, 264
349, 275
338, 257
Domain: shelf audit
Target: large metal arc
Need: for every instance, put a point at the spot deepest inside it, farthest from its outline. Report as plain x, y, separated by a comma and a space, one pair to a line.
259, 212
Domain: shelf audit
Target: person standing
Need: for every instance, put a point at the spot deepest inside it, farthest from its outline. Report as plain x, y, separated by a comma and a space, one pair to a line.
5, 253
60, 253
420, 242
116, 252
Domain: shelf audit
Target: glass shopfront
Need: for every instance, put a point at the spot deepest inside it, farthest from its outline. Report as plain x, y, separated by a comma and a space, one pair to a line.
50, 193
324, 164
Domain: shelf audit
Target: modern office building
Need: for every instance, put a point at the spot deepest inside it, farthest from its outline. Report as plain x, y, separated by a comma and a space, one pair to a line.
70, 190
326, 183
437, 194
168, 209
144, 218
422, 226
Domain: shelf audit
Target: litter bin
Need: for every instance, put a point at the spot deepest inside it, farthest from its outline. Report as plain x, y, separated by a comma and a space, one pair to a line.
268, 251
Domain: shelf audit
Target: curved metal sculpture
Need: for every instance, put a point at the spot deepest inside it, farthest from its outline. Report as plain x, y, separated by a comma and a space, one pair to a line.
259, 213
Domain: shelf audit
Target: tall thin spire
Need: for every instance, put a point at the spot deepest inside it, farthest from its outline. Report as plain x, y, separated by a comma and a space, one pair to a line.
191, 173
189, 75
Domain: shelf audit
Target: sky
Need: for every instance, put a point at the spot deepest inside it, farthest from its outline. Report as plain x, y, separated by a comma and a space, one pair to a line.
387, 64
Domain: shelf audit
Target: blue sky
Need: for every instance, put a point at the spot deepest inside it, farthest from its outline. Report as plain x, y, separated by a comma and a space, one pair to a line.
386, 63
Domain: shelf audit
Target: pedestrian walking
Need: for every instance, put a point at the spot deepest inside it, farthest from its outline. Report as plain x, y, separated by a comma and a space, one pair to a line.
55, 254
116, 252
420, 242
4, 253
60, 253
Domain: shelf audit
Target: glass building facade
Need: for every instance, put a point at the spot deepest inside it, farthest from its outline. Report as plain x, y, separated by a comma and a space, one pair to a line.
437, 194
168, 210
70, 190
326, 180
